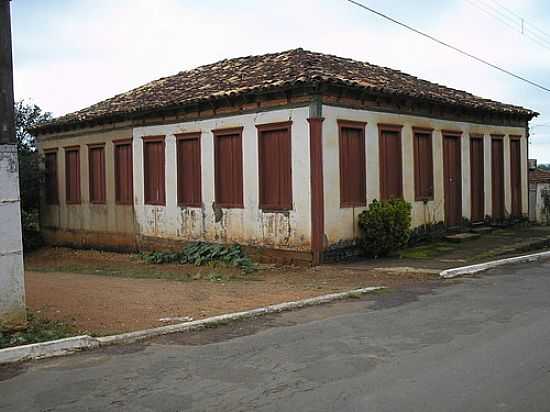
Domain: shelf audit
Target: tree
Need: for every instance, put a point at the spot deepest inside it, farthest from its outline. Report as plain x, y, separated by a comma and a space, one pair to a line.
544, 166
31, 174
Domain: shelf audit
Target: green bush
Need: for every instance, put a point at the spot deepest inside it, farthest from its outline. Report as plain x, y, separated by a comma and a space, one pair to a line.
385, 227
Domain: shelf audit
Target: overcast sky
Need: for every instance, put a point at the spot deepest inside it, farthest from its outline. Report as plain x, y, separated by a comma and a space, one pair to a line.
69, 54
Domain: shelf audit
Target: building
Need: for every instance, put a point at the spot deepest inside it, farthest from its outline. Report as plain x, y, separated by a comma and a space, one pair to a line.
539, 194
279, 152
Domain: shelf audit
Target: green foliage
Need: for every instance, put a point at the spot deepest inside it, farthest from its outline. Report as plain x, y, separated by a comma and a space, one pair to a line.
203, 253
37, 330
31, 174
385, 227
30, 223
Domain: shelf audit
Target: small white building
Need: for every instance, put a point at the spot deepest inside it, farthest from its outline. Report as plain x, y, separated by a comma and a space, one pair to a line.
281, 153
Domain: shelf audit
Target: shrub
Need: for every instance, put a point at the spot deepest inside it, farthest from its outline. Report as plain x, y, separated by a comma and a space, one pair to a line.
385, 227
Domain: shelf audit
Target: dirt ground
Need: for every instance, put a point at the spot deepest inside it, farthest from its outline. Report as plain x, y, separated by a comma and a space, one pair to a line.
103, 293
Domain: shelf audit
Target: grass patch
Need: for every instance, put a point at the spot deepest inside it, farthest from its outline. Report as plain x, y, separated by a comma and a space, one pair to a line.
426, 251
37, 330
144, 272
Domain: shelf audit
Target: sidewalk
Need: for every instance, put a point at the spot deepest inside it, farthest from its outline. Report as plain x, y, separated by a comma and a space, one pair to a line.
438, 256
107, 293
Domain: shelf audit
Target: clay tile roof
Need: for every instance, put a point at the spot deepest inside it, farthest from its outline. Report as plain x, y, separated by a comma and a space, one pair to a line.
539, 176
252, 74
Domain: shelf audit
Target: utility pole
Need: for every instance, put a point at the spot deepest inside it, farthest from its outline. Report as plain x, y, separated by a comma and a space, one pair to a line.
12, 287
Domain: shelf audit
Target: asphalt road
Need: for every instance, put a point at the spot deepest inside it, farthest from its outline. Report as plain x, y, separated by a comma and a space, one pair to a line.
477, 345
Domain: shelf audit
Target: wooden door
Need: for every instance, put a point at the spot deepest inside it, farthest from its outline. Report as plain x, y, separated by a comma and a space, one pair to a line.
515, 176
453, 180
477, 181
497, 156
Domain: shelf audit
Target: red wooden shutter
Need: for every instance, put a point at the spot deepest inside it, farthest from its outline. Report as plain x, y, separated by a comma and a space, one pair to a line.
154, 171
189, 170
124, 172
391, 175
52, 196
96, 160
497, 160
228, 159
72, 175
423, 166
515, 175
353, 174
477, 179
274, 150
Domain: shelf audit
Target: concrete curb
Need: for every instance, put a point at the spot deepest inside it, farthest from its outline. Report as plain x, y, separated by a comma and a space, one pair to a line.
220, 319
70, 345
47, 349
473, 269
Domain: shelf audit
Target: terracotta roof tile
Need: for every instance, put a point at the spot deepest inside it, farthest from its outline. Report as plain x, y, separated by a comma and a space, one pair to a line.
255, 73
539, 176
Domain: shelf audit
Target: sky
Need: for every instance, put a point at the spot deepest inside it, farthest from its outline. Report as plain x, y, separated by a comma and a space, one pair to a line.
69, 54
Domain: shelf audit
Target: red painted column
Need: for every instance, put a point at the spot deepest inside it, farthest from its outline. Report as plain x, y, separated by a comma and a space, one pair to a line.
317, 188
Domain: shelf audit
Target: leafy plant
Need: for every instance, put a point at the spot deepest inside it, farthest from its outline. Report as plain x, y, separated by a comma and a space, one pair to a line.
385, 227
203, 253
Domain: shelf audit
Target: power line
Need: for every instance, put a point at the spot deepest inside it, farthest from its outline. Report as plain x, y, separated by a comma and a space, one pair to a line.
513, 13
441, 42
512, 22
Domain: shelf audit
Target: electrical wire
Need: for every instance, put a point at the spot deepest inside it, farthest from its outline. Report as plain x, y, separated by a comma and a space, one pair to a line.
511, 22
441, 42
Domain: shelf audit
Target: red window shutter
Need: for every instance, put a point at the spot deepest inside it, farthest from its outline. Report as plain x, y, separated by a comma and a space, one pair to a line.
96, 159
353, 175
189, 170
391, 176
228, 159
154, 171
423, 166
52, 196
275, 166
124, 172
72, 175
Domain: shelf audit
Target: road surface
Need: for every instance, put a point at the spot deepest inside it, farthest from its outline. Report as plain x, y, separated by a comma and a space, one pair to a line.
474, 345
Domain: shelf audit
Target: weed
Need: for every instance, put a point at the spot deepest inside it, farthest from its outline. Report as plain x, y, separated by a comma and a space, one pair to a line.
37, 330
204, 253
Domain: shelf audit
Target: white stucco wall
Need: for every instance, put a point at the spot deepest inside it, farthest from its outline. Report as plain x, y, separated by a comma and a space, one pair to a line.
12, 287
250, 225
341, 223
